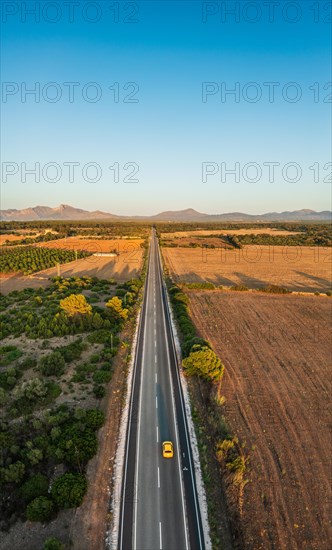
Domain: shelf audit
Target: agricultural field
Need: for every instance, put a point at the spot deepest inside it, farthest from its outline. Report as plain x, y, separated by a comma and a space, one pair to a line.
130, 247
276, 393
125, 263
299, 269
9, 237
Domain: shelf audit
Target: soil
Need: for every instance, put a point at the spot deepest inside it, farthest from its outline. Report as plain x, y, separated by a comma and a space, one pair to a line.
277, 356
304, 269
121, 268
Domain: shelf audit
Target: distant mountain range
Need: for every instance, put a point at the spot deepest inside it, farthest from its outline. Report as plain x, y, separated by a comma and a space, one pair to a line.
66, 212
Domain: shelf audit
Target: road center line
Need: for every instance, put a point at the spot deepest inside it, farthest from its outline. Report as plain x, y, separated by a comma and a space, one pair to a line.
157, 435
156, 402
156, 377
155, 358
158, 478
160, 537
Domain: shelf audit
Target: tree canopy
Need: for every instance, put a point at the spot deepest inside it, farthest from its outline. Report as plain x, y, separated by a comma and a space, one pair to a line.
202, 361
76, 304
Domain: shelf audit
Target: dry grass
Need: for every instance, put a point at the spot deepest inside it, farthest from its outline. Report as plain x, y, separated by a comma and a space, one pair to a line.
121, 268
129, 246
10, 238
303, 269
277, 356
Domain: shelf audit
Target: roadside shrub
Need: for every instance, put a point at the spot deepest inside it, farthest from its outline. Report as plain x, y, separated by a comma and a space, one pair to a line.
68, 490
202, 361
329, 293
94, 419
40, 509
102, 376
188, 344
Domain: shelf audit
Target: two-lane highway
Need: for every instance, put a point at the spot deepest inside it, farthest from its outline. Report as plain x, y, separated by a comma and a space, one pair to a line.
159, 506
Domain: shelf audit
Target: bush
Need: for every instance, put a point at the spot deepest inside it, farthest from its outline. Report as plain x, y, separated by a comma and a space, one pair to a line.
99, 391
72, 352
68, 490
36, 486
53, 364
94, 419
188, 344
275, 289
40, 509
28, 363
202, 286
239, 288
53, 544
203, 362
102, 376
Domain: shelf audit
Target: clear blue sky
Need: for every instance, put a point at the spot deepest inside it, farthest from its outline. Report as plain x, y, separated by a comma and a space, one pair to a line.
168, 49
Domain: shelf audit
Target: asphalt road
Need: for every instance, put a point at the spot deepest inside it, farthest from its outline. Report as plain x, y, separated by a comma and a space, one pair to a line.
159, 505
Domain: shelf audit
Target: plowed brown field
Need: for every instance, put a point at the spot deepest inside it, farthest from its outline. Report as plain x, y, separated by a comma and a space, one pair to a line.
296, 268
277, 356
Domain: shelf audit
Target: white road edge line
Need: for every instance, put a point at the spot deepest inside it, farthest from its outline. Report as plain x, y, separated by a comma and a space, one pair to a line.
160, 537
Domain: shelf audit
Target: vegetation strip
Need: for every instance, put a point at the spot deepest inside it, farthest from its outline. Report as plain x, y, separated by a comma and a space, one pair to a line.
46, 440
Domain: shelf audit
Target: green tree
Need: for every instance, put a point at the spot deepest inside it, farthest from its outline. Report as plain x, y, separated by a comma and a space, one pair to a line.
36, 486
202, 361
75, 304
68, 490
40, 509
13, 474
118, 313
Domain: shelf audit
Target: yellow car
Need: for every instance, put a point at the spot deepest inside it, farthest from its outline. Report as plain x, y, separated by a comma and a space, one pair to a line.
167, 449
